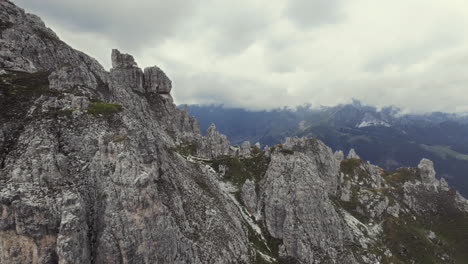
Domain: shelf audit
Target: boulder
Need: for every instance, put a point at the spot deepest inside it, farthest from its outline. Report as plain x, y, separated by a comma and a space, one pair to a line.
156, 81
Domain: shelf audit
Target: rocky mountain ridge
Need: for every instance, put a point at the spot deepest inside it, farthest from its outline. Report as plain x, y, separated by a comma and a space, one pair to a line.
102, 167
385, 137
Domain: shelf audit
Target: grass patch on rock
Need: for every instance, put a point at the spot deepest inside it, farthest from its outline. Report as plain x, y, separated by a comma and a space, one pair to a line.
349, 166
402, 175
186, 149
19, 90
65, 112
352, 168
287, 151
238, 170
454, 229
119, 138
100, 108
409, 243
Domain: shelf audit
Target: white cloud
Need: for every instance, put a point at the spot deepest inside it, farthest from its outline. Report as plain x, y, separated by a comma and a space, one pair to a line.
265, 54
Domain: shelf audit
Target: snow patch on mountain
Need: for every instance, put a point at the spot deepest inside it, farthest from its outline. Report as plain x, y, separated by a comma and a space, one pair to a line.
369, 123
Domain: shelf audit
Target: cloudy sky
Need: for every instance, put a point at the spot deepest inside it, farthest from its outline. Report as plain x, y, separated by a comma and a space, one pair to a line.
262, 54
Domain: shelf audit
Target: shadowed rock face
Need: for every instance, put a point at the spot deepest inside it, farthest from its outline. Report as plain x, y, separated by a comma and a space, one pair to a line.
101, 167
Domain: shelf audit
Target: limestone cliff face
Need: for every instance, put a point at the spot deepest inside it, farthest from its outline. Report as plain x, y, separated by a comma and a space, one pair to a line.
88, 168
295, 203
101, 167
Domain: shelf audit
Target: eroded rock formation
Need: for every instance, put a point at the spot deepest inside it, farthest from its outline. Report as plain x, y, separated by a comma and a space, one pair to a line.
101, 167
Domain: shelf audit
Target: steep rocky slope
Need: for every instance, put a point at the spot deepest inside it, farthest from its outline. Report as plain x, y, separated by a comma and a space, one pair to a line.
101, 167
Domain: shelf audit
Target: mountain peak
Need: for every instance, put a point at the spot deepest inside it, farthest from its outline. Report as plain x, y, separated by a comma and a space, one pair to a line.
427, 171
352, 154
122, 60
127, 74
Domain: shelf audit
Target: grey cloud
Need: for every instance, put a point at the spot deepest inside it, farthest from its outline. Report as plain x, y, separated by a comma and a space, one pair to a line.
215, 88
145, 23
308, 13
129, 23
282, 67
441, 87
203, 46
410, 54
229, 26
236, 33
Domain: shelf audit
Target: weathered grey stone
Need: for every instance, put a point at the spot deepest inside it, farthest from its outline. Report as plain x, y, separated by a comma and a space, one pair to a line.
73, 241
68, 78
156, 81
321, 157
249, 196
26, 44
294, 199
374, 204
345, 194
427, 171
214, 144
245, 149
352, 154
122, 60
339, 155
444, 185
125, 73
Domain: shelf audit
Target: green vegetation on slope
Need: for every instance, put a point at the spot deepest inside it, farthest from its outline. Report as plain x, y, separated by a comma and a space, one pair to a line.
238, 170
186, 149
402, 175
445, 152
431, 237
19, 89
453, 230
99, 108
408, 239
349, 166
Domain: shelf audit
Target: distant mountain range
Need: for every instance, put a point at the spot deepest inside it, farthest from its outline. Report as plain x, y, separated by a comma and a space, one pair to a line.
384, 136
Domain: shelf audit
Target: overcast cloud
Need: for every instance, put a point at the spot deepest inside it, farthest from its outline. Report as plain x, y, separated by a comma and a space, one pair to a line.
262, 54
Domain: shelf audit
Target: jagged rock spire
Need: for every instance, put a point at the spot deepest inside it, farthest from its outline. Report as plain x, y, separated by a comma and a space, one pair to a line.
339, 155
427, 171
122, 60
156, 81
245, 150
127, 74
352, 154
211, 129
214, 144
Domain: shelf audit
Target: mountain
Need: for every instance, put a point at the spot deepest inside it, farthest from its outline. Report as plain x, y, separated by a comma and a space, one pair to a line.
102, 167
385, 137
